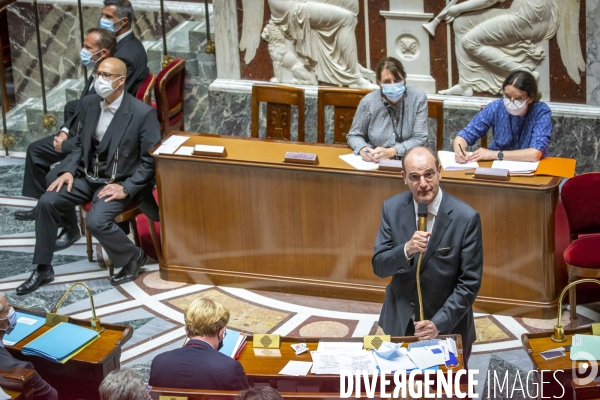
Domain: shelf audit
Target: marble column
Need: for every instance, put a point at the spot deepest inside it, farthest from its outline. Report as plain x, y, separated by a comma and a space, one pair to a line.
226, 39
592, 36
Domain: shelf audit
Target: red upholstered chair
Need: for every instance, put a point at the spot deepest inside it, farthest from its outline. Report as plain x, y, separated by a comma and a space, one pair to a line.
580, 196
149, 239
168, 93
144, 93
130, 215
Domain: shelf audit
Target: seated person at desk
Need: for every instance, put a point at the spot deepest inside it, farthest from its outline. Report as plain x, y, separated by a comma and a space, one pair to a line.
260, 393
522, 124
125, 383
8, 320
452, 257
111, 166
198, 364
390, 121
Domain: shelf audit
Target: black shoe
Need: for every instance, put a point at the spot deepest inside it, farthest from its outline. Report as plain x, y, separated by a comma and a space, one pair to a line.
66, 238
36, 279
131, 270
25, 215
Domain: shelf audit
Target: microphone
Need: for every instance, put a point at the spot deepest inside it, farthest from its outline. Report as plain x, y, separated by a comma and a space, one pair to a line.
422, 214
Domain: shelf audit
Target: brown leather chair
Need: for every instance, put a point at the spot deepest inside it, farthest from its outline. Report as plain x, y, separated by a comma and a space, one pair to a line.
344, 102
435, 110
168, 93
280, 100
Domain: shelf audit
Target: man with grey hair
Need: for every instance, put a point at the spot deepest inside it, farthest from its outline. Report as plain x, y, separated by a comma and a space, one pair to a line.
123, 383
8, 320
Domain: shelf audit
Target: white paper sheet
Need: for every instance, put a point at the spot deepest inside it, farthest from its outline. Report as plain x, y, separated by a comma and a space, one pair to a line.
4, 396
424, 358
296, 368
340, 346
449, 162
209, 148
171, 144
401, 362
334, 362
358, 163
185, 151
522, 167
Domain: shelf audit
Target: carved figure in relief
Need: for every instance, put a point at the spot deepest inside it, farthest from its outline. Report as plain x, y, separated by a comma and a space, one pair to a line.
281, 57
408, 46
492, 43
322, 31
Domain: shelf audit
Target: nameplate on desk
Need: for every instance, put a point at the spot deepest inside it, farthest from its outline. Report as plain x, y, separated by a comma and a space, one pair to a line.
209, 151
265, 341
172, 398
492, 174
596, 329
294, 157
374, 341
390, 165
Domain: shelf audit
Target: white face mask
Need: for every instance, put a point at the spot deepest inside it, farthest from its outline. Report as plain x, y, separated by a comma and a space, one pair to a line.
516, 107
104, 87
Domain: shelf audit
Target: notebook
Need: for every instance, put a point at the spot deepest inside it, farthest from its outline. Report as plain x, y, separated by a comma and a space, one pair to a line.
61, 343
26, 325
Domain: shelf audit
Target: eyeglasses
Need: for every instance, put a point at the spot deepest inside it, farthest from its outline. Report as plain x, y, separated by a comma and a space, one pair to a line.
516, 102
414, 178
105, 75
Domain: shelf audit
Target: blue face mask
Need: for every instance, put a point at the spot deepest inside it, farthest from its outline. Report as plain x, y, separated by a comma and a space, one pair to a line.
86, 58
108, 24
393, 91
12, 321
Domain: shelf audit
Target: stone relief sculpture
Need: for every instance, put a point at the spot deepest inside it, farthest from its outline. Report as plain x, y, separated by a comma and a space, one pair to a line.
491, 43
321, 32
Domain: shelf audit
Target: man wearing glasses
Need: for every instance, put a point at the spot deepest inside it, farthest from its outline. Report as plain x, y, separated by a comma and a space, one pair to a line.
111, 166
8, 320
452, 257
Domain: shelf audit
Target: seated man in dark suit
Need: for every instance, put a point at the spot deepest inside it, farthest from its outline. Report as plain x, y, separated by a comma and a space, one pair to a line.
198, 364
452, 257
8, 320
41, 154
111, 166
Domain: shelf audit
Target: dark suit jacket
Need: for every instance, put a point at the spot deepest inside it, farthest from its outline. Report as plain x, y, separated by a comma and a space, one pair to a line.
131, 51
133, 131
71, 123
42, 390
197, 366
450, 271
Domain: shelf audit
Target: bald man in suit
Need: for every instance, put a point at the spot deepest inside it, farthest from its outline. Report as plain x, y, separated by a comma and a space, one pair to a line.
452, 262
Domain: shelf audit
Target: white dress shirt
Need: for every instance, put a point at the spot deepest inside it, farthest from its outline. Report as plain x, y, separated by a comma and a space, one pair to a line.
120, 37
107, 112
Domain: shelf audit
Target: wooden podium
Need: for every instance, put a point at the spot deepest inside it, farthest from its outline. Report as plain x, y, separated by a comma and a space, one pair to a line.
250, 220
80, 377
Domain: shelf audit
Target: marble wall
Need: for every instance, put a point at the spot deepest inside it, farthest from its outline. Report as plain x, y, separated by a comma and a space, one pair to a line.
593, 52
574, 132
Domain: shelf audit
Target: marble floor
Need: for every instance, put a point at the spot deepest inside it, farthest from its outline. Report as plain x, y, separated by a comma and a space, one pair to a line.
154, 307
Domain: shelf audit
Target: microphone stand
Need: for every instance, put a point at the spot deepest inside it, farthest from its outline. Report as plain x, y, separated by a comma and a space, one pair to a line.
422, 212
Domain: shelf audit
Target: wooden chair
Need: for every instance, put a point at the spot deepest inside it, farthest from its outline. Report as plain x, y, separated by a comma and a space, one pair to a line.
169, 94
280, 100
583, 390
580, 197
18, 382
144, 93
129, 215
435, 110
344, 102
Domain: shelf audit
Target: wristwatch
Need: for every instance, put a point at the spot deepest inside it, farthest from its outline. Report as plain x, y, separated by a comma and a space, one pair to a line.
500, 155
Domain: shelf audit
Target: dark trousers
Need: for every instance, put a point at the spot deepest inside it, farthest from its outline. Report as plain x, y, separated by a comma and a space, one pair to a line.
53, 206
40, 156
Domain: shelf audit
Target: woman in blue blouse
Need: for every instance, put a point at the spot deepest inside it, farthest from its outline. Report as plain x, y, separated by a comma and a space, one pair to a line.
522, 124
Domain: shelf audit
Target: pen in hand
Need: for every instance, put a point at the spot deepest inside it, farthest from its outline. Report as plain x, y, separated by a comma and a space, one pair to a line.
462, 151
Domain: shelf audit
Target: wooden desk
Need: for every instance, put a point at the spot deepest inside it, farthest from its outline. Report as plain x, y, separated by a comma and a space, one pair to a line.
535, 343
80, 377
17, 383
252, 221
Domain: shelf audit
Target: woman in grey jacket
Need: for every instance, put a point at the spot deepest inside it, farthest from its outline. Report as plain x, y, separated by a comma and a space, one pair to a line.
391, 120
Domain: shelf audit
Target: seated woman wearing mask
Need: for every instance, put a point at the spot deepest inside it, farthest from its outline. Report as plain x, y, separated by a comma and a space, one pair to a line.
522, 124
389, 121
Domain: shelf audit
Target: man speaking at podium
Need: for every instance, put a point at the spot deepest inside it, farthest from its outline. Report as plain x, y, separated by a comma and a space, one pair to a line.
452, 253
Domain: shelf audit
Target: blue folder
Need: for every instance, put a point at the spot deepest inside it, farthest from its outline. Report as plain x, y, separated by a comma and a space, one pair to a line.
22, 330
229, 342
61, 342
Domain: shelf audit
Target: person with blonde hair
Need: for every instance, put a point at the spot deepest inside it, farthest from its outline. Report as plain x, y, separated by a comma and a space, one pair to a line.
199, 364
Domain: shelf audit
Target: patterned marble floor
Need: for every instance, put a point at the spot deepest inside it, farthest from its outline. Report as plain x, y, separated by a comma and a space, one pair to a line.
154, 307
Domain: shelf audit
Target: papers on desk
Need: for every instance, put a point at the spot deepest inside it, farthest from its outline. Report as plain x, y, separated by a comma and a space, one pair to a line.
171, 144
584, 346
185, 151
296, 368
449, 163
61, 343
397, 362
233, 343
516, 167
357, 162
26, 325
4, 396
333, 362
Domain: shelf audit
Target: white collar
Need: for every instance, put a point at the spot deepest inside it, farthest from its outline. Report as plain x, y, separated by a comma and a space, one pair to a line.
120, 37
433, 207
114, 106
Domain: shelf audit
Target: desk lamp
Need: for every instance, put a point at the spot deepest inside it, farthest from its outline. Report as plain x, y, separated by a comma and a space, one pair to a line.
53, 319
559, 329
